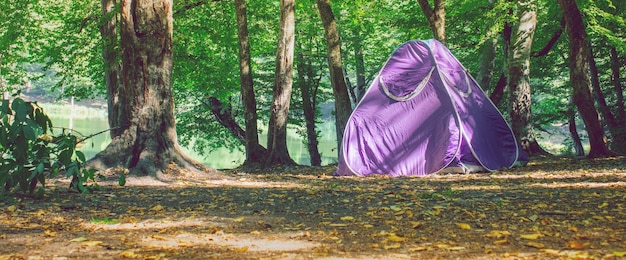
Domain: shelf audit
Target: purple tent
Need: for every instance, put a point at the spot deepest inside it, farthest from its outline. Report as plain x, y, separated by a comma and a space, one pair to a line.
424, 114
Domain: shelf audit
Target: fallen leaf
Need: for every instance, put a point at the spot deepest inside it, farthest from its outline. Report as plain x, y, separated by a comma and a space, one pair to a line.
129, 254
464, 226
395, 238
241, 249
603, 205
619, 253
368, 226
79, 239
347, 218
157, 208
530, 236
501, 242
392, 246
498, 234
576, 245
239, 219
49, 233
11, 208
92, 243
456, 248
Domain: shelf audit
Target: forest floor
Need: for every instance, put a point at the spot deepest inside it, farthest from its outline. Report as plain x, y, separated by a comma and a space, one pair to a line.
554, 208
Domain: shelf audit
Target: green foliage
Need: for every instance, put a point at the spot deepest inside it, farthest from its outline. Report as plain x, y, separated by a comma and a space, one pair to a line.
29, 153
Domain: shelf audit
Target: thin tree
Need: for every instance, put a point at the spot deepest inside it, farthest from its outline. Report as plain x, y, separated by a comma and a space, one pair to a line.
343, 107
579, 77
518, 70
283, 84
254, 152
436, 16
147, 143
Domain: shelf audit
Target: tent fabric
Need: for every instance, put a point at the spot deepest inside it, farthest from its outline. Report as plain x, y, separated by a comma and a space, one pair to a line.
425, 114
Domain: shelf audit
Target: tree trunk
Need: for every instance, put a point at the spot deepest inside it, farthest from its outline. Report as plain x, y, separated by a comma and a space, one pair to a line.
305, 72
486, 64
117, 113
579, 77
617, 131
148, 145
277, 132
571, 122
436, 18
254, 155
225, 117
360, 65
343, 107
518, 68
619, 135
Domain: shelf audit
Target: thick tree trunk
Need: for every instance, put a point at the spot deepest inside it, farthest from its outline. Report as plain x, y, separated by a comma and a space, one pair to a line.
148, 146
305, 72
254, 155
436, 18
343, 107
579, 77
283, 83
518, 67
117, 113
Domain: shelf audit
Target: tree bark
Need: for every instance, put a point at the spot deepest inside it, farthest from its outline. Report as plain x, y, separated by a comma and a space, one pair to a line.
283, 83
579, 77
436, 18
117, 113
148, 145
305, 72
343, 107
254, 155
518, 68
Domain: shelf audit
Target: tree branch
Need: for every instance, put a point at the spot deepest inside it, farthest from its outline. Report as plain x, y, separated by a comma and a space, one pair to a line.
550, 43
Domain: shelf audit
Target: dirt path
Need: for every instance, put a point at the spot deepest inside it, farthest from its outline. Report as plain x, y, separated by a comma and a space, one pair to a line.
553, 208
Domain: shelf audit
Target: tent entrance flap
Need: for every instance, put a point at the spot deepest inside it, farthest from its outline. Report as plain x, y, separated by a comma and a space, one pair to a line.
425, 114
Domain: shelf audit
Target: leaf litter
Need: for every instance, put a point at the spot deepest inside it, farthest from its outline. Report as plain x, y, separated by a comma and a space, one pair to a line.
552, 208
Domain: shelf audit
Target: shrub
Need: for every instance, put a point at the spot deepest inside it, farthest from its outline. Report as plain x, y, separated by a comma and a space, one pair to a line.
30, 152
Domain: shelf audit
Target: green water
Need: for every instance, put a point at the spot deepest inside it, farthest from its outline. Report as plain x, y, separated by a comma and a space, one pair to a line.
221, 158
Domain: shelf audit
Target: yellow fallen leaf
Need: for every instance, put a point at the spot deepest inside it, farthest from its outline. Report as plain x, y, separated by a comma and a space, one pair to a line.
619, 253
92, 243
368, 226
530, 236
418, 248
576, 245
392, 246
535, 245
338, 225
416, 224
12, 208
347, 218
241, 249
79, 239
501, 242
498, 234
395, 238
239, 219
50, 233
464, 226
456, 248
550, 252
129, 254
603, 205
157, 208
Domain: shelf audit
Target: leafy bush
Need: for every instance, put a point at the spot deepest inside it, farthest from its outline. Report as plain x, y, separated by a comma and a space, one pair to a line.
29, 152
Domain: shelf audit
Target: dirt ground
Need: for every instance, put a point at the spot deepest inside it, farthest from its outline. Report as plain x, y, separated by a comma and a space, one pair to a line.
551, 209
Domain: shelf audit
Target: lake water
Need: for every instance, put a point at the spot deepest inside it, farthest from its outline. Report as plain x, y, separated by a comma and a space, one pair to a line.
221, 158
